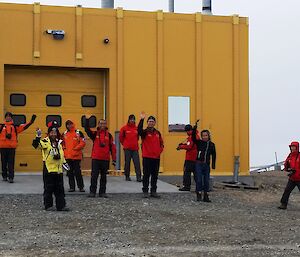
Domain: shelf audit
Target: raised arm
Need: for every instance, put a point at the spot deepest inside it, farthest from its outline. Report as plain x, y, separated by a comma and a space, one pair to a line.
36, 141
81, 144
25, 126
141, 132
91, 134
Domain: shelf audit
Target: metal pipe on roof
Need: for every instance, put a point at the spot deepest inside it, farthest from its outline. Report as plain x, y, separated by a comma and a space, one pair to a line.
107, 4
171, 5
206, 7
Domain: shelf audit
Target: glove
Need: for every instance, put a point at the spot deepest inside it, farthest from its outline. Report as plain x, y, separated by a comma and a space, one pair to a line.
213, 167
114, 163
33, 117
66, 167
38, 133
178, 147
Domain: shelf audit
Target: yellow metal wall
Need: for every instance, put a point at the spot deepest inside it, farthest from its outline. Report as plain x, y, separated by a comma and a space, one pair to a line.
151, 55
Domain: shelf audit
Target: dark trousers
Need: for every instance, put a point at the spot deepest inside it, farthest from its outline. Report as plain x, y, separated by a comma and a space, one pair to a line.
54, 184
188, 169
288, 190
8, 162
150, 168
75, 172
202, 177
99, 167
134, 155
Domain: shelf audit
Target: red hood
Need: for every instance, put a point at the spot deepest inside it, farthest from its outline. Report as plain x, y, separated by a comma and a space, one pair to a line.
74, 126
9, 123
131, 125
295, 144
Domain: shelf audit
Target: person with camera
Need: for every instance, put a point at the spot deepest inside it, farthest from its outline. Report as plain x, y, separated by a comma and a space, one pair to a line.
292, 167
129, 139
54, 164
190, 158
206, 151
152, 147
103, 147
8, 144
73, 144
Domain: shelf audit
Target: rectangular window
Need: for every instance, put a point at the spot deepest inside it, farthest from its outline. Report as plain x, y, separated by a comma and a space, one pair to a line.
50, 118
178, 112
88, 101
93, 121
17, 100
53, 100
19, 119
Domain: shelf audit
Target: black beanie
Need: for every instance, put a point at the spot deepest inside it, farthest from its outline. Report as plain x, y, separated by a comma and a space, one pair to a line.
151, 118
131, 117
8, 114
52, 128
188, 127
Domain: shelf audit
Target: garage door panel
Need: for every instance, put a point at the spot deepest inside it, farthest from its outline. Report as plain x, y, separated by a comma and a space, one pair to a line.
36, 83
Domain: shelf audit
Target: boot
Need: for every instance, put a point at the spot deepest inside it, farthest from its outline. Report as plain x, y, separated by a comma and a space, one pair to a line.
184, 189
91, 195
128, 179
282, 207
199, 196
205, 198
71, 190
145, 194
103, 195
64, 209
154, 195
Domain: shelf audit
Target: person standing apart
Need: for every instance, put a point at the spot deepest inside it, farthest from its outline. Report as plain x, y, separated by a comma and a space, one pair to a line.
103, 147
292, 166
152, 147
73, 144
206, 151
8, 144
129, 139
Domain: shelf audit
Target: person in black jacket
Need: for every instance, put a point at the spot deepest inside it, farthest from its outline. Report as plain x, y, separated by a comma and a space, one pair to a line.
206, 151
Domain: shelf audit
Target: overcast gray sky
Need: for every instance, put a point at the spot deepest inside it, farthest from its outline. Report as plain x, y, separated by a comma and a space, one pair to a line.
274, 65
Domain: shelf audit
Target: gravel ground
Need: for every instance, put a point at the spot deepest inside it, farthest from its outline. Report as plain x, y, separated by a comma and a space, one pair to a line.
236, 223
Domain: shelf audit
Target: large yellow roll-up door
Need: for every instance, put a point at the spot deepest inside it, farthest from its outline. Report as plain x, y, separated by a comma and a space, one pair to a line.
51, 93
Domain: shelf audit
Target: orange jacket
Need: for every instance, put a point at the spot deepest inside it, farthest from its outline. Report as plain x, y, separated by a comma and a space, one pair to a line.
9, 134
73, 143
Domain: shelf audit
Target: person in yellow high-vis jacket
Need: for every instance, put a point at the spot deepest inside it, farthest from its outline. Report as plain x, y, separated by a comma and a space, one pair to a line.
54, 163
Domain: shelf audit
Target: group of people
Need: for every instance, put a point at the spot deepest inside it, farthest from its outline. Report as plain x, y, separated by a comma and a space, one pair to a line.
65, 151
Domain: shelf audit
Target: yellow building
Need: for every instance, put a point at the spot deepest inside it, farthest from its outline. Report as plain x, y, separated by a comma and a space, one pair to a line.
113, 62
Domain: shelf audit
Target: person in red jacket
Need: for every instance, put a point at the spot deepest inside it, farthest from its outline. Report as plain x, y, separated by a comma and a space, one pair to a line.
73, 144
129, 139
8, 144
103, 147
152, 147
292, 166
190, 159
